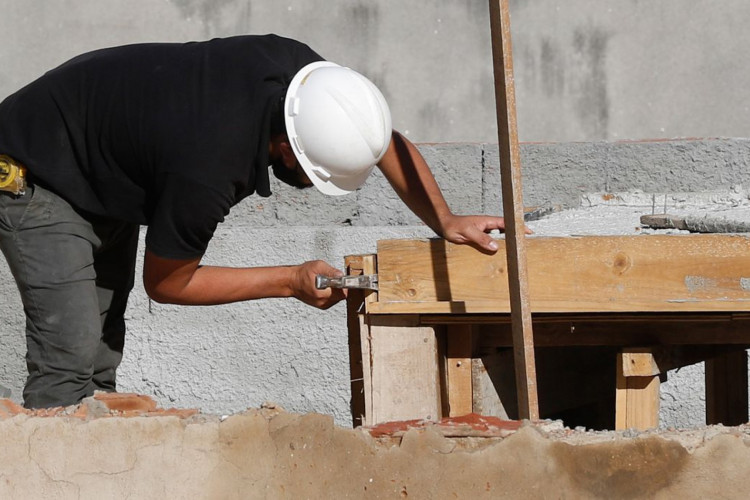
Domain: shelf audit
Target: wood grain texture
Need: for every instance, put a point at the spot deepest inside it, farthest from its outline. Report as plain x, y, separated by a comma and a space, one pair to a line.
358, 333
459, 350
510, 172
637, 399
402, 380
654, 273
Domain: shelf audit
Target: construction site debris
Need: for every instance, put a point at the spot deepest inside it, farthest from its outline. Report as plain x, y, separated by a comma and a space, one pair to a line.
101, 404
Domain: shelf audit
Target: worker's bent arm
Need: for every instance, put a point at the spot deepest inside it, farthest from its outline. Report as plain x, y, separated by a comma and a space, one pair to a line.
187, 282
408, 173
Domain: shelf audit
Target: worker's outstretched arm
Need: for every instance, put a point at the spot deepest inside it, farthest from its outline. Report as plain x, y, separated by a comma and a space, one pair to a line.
187, 282
410, 176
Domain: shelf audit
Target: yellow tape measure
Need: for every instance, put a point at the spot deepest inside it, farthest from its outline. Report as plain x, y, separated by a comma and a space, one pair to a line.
12, 175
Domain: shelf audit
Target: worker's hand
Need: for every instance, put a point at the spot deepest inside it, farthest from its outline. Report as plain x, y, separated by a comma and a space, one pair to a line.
303, 284
473, 229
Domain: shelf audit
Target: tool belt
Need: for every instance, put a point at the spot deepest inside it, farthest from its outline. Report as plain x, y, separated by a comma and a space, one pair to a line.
12, 176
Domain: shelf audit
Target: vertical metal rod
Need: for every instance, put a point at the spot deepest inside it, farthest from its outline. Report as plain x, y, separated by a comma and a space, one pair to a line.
510, 171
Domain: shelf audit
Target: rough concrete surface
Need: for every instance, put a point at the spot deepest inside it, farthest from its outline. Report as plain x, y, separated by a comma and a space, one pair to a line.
126, 448
585, 70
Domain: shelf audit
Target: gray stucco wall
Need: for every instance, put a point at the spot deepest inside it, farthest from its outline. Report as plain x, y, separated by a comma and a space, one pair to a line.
585, 69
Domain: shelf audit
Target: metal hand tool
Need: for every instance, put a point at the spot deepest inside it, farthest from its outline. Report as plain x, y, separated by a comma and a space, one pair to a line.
365, 282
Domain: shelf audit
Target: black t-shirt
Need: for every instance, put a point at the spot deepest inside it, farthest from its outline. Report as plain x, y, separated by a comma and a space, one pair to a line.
164, 134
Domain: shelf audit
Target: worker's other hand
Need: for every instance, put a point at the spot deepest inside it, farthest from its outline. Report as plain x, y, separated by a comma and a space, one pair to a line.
473, 230
303, 284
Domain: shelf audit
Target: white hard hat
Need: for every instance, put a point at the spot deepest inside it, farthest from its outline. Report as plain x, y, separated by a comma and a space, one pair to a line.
338, 124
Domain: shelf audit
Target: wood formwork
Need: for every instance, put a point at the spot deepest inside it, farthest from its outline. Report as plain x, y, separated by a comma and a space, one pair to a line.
661, 302
440, 306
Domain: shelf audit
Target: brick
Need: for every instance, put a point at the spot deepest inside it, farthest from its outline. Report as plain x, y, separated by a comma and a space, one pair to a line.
101, 405
129, 404
10, 409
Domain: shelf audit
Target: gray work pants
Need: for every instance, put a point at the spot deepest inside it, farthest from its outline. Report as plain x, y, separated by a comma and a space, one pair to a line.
74, 274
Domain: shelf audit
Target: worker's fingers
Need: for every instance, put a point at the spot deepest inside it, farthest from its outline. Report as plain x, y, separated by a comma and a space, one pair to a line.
479, 237
315, 267
335, 295
488, 224
491, 223
304, 289
473, 230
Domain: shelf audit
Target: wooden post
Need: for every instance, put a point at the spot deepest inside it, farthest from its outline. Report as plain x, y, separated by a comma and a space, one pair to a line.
637, 398
459, 340
355, 301
510, 170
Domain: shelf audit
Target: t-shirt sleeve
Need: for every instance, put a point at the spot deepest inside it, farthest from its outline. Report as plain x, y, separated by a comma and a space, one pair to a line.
184, 218
304, 55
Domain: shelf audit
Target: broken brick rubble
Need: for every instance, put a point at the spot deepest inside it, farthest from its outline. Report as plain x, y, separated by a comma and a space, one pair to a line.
101, 404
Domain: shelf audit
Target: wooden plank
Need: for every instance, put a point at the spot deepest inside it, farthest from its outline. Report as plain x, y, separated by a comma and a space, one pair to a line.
572, 318
510, 171
706, 272
359, 343
726, 389
562, 306
664, 221
357, 265
631, 333
367, 384
636, 400
459, 340
404, 371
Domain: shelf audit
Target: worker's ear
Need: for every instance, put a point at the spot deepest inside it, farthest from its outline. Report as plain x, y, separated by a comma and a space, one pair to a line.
287, 154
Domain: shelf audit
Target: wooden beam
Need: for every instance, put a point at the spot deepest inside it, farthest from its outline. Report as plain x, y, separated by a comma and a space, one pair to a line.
365, 357
654, 273
627, 334
510, 171
573, 318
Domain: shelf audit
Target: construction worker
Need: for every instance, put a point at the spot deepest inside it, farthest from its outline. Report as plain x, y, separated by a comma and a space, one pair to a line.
171, 136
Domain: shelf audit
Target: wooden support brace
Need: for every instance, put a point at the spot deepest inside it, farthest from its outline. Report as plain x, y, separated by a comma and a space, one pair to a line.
638, 364
459, 348
510, 169
357, 265
637, 397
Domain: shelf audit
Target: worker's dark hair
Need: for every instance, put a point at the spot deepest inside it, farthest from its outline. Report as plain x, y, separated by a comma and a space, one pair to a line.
277, 117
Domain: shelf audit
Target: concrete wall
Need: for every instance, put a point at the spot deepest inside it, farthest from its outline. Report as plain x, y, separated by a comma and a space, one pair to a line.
275, 455
585, 69
227, 358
